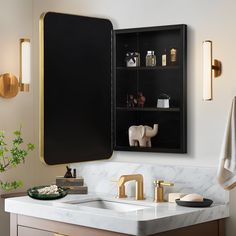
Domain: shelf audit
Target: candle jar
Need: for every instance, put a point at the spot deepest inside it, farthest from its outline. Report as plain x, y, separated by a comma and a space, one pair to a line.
173, 56
150, 59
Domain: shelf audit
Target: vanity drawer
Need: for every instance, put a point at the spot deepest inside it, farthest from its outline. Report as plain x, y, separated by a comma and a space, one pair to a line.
25, 231
30, 226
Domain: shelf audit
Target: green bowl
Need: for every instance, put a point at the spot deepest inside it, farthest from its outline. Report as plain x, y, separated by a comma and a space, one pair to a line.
33, 193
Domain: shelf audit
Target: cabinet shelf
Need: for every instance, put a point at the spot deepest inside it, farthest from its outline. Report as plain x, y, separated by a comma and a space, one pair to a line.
148, 149
171, 109
148, 68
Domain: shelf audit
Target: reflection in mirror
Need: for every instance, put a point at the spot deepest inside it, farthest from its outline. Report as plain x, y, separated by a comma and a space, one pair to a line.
76, 70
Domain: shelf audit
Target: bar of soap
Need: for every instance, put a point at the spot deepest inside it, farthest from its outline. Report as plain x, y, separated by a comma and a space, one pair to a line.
193, 197
173, 196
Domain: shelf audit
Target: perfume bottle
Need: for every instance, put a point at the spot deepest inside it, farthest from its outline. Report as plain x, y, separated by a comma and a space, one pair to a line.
173, 56
163, 58
150, 59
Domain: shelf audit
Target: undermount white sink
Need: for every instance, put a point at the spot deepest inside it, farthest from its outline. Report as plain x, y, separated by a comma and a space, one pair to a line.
109, 205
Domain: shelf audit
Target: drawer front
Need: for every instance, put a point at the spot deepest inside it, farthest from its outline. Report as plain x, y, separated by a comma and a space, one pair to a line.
25, 231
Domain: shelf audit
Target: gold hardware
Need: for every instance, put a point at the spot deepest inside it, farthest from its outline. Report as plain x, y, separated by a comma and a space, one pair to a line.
139, 195
217, 68
9, 85
159, 190
41, 76
24, 87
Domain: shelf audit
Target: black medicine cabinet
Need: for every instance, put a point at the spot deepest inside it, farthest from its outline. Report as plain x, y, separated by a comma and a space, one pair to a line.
152, 82
86, 86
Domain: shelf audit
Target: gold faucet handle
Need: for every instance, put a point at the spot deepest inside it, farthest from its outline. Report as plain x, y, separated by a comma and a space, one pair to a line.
157, 182
161, 183
167, 184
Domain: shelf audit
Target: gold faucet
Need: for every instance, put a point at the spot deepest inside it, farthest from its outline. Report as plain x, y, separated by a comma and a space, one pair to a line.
159, 190
139, 195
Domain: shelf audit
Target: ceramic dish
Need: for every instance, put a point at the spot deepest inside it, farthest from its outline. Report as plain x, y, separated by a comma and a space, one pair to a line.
206, 203
33, 192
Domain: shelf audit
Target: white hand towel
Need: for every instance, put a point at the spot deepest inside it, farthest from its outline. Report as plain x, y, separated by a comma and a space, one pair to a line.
227, 165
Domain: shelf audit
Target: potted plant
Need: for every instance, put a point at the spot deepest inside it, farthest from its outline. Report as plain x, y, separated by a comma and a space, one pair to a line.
12, 157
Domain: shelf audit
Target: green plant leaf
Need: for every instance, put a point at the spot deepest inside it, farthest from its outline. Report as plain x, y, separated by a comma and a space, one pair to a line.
12, 157
1, 152
11, 185
30, 146
2, 168
17, 133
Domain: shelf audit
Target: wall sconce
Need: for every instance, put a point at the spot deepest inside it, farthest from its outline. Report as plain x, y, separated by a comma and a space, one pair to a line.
9, 85
209, 68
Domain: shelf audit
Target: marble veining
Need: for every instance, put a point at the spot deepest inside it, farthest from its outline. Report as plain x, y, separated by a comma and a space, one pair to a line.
100, 176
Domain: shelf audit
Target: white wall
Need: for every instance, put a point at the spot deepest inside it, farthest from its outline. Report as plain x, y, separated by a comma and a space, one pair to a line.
16, 22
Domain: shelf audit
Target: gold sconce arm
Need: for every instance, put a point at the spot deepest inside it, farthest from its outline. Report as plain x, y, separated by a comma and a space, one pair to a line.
217, 68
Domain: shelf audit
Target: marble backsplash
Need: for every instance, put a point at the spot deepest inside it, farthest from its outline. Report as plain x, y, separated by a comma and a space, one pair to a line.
100, 177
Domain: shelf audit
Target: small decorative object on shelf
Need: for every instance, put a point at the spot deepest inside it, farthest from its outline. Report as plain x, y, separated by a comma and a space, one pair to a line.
140, 99
131, 101
173, 56
141, 135
163, 101
150, 59
68, 173
74, 173
163, 58
132, 59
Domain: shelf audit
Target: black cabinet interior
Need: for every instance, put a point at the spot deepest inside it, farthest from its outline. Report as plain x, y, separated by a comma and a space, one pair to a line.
151, 81
77, 88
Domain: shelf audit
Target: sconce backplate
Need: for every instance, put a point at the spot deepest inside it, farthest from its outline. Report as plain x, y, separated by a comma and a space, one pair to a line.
217, 68
9, 85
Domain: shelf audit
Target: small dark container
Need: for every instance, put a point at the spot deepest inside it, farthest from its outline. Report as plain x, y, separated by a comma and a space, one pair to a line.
206, 203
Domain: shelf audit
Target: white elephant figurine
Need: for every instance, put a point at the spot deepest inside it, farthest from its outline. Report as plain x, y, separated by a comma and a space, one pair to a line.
141, 135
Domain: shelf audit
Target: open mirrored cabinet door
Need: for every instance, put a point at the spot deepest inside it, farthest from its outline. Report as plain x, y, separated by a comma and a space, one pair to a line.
76, 70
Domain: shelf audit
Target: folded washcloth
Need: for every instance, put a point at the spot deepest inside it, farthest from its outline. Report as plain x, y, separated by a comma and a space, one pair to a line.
227, 164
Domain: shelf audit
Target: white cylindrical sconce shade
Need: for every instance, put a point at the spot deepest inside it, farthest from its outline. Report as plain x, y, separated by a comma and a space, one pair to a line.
25, 64
207, 70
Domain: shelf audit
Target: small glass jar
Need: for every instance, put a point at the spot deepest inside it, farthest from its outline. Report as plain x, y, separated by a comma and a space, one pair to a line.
163, 58
173, 56
150, 59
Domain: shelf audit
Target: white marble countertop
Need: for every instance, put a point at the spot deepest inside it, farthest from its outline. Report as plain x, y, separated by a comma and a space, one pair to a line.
155, 218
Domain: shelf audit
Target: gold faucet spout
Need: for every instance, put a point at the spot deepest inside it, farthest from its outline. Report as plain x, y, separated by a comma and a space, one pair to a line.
139, 195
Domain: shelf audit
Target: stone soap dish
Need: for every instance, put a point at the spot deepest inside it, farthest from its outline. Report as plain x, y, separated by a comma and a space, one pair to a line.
205, 203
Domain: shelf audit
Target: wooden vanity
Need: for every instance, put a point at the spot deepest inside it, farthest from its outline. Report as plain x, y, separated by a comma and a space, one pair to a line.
27, 226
